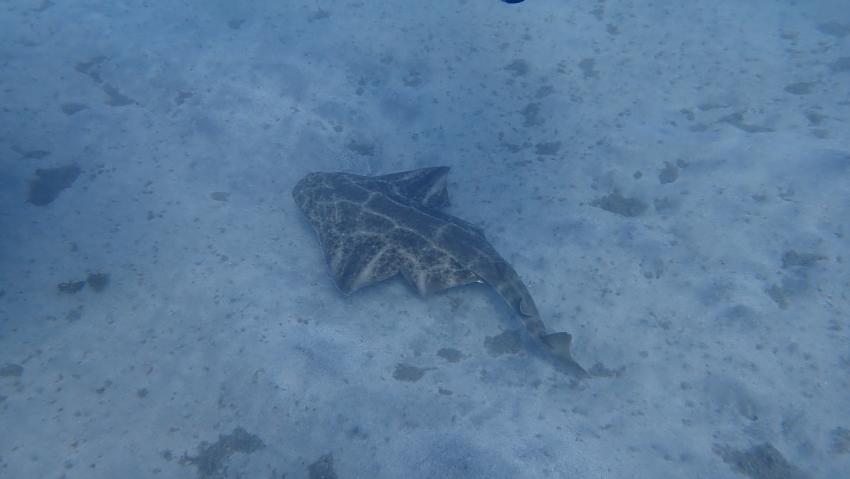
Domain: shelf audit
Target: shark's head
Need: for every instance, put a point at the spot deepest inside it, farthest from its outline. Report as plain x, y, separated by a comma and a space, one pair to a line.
307, 187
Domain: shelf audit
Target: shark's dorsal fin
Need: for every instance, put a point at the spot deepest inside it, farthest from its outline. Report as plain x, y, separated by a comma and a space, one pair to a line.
426, 186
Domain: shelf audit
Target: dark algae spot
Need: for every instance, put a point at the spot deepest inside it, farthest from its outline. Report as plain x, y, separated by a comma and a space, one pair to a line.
544, 91
31, 154
777, 294
70, 287
450, 354
669, 173
362, 148
835, 29
759, 462
75, 314
211, 458
588, 68
318, 15
323, 468
737, 120
405, 372
599, 370
840, 440
840, 65
182, 97
550, 148
509, 342
531, 115
11, 371
115, 97
71, 108
91, 67
792, 258
518, 67
800, 88
49, 182
98, 281
620, 205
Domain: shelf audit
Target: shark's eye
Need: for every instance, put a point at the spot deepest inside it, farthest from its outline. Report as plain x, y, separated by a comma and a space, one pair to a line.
522, 307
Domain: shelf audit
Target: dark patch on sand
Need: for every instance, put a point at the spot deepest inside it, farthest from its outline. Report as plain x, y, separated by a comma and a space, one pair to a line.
71, 108
737, 120
323, 468
31, 154
11, 371
211, 458
600, 371
669, 173
544, 91
777, 294
74, 314
550, 148
408, 373
840, 440
362, 148
840, 65
509, 342
49, 182
92, 68
518, 67
834, 29
620, 205
115, 97
759, 462
318, 14
45, 4
588, 68
531, 114
71, 287
450, 354
792, 258
98, 281
800, 88
182, 97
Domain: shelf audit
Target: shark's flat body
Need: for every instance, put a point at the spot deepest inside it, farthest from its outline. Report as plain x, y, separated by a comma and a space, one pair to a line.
372, 228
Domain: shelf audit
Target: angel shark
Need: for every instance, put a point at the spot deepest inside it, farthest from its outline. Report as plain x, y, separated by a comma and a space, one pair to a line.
372, 228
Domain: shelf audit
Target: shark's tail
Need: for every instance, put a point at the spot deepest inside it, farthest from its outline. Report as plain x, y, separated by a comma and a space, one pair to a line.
558, 345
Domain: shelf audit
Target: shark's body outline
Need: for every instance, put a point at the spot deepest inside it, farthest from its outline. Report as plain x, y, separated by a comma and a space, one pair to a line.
372, 228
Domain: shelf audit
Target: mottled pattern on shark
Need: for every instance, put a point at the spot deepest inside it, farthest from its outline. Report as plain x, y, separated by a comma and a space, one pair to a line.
372, 228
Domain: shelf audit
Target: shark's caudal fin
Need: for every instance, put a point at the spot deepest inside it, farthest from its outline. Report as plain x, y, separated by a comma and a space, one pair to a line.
559, 346
559, 343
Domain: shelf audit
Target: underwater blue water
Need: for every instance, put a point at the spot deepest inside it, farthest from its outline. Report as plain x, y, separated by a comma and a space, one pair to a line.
670, 180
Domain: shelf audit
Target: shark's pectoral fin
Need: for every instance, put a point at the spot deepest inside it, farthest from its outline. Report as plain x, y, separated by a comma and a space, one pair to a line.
434, 280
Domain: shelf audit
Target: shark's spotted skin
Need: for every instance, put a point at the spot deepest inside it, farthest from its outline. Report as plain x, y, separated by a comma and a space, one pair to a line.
372, 228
